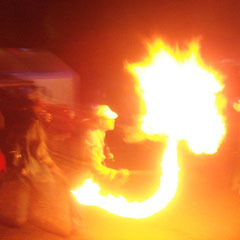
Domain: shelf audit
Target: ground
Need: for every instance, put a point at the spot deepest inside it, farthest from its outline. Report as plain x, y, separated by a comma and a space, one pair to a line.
205, 208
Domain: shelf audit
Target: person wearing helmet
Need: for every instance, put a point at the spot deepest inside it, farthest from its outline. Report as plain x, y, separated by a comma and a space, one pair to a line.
95, 150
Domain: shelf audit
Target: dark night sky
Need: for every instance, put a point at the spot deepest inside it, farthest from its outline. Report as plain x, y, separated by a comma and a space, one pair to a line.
96, 37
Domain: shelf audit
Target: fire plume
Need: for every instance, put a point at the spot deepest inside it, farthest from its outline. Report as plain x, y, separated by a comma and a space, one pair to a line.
181, 99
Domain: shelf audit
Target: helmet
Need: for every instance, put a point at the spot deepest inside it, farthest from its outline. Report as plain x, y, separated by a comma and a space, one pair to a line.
104, 111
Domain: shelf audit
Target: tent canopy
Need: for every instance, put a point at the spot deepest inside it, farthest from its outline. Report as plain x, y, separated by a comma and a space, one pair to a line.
46, 71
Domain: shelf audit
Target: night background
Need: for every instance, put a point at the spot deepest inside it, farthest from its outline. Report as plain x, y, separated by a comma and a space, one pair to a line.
96, 37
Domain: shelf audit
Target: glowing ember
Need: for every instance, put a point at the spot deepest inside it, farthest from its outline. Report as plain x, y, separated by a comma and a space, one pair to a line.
181, 100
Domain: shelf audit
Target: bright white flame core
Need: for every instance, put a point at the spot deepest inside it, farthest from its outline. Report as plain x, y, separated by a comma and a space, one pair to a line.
179, 96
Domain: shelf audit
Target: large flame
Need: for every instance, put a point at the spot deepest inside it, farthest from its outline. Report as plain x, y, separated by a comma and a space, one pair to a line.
181, 100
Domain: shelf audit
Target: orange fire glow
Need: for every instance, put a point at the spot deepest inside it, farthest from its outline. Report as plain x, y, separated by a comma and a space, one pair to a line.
181, 99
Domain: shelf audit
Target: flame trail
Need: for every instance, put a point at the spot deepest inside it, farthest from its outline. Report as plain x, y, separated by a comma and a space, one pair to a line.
120, 206
180, 99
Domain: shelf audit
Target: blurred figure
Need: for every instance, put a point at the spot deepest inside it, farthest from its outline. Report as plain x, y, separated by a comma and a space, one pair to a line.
34, 188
